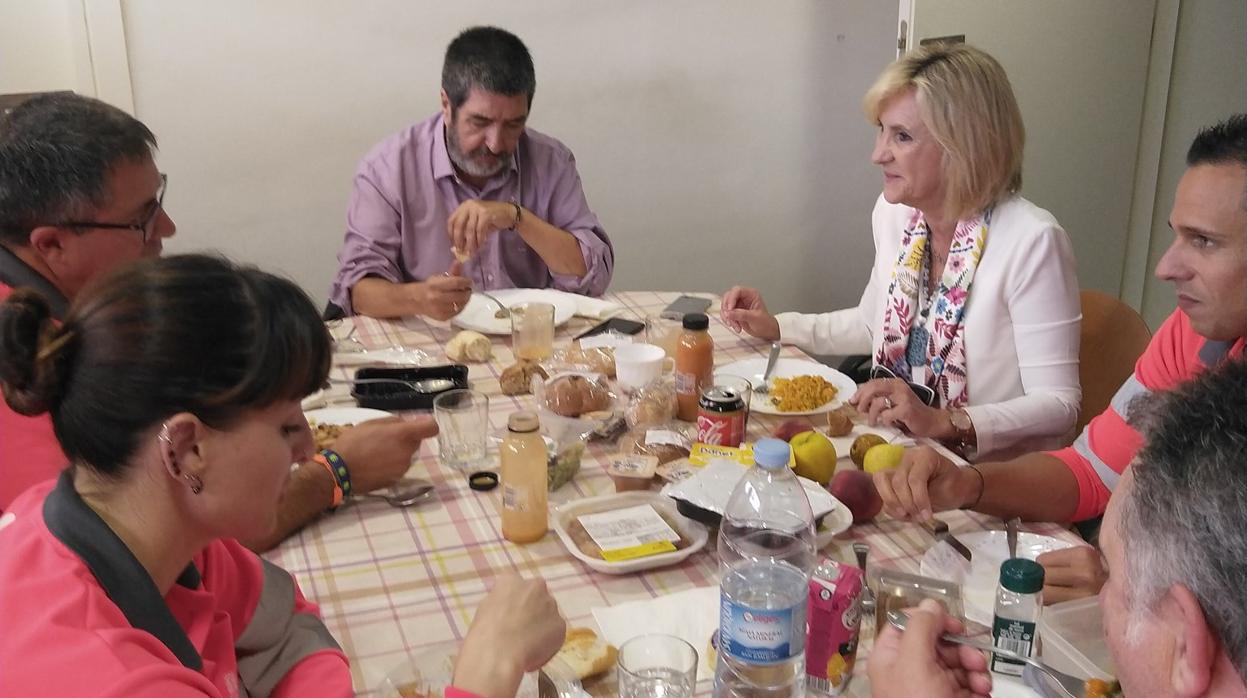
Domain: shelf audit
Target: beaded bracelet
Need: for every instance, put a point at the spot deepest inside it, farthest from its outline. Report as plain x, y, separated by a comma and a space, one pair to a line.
338, 471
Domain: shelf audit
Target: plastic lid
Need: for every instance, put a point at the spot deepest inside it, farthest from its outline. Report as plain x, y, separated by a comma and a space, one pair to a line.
523, 421
696, 321
1021, 576
771, 453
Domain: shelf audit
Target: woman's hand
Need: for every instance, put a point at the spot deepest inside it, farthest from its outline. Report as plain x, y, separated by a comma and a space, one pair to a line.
891, 402
743, 310
517, 629
916, 663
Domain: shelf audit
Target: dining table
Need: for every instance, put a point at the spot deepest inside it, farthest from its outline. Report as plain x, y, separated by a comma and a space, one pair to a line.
393, 582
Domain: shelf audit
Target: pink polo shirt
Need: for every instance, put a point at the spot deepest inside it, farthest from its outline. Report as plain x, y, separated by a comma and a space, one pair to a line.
80, 616
1108, 443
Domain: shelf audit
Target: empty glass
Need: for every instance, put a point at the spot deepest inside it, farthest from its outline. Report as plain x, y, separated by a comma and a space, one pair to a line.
657, 666
532, 331
462, 427
663, 332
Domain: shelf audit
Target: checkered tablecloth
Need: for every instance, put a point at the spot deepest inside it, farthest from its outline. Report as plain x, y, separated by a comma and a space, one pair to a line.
392, 583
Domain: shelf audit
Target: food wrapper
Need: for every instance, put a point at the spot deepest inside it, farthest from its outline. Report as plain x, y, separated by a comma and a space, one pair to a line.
712, 486
599, 359
654, 404
575, 394
564, 460
667, 441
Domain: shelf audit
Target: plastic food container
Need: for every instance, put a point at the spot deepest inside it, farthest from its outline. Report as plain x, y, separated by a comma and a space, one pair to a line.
1071, 637
398, 396
691, 531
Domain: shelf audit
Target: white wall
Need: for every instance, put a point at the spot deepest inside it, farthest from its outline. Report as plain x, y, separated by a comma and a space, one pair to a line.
41, 47
718, 140
1207, 84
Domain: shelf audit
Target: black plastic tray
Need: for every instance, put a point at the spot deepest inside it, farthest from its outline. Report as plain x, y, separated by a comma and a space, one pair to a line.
396, 396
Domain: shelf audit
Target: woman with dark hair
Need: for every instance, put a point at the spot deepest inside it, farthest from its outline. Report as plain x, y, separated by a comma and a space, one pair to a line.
174, 389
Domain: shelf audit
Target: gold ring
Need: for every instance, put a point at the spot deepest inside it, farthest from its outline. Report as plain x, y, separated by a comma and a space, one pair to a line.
887, 401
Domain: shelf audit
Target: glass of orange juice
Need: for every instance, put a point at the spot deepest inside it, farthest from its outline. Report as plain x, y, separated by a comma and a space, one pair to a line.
532, 331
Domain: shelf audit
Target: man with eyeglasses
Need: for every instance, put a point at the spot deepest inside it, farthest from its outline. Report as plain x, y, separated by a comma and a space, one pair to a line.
80, 196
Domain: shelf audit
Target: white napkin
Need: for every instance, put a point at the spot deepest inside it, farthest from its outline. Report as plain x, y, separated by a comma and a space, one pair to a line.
596, 308
691, 615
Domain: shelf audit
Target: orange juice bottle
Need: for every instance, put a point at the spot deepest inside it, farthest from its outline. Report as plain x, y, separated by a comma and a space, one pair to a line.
525, 516
694, 364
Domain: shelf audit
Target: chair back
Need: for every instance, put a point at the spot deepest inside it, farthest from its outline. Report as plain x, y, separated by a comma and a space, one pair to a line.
1113, 338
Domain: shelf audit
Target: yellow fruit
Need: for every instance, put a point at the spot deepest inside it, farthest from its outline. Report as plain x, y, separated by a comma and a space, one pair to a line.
883, 457
815, 456
861, 445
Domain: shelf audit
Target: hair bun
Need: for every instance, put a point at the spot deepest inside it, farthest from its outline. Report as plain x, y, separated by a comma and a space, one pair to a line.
34, 353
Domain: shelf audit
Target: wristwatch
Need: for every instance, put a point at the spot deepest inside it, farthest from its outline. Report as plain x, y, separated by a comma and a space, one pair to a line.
965, 438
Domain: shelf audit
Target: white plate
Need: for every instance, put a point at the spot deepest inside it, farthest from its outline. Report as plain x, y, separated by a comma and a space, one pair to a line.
836, 521
344, 416
695, 532
752, 370
479, 313
978, 580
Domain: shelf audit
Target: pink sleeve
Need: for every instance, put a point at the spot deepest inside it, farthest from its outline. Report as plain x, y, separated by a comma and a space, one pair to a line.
1108, 443
452, 692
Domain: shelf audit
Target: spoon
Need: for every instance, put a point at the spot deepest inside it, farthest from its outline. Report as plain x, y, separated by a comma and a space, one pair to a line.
861, 551
426, 385
503, 312
405, 493
765, 386
1070, 684
1011, 535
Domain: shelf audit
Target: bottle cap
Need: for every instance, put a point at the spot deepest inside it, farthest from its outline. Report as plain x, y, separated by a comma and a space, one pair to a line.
1021, 576
483, 480
696, 321
523, 421
771, 453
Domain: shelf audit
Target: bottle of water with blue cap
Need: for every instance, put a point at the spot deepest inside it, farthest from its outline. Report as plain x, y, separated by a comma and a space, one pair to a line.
766, 553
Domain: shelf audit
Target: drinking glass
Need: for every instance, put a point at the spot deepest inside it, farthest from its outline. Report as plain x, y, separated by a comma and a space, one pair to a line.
657, 666
462, 427
663, 332
532, 331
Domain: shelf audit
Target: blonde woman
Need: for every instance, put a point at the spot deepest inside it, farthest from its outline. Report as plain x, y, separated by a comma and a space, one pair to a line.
971, 313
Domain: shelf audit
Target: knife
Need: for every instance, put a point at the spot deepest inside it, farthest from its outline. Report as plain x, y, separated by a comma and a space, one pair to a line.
940, 530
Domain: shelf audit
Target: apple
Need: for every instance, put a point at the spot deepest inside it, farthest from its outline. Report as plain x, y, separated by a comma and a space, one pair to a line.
815, 456
856, 490
883, 457
790, 428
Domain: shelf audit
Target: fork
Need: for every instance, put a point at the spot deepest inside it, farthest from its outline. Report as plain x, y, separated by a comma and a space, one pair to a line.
764, 386
1070, 684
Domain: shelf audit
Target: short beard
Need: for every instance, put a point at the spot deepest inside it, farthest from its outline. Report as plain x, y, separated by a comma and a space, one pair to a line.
464, 162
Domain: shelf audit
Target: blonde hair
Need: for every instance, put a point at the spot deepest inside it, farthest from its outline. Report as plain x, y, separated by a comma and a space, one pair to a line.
967, 103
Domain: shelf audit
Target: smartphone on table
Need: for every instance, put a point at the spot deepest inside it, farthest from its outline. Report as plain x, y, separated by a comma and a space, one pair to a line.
684, 305
615, 324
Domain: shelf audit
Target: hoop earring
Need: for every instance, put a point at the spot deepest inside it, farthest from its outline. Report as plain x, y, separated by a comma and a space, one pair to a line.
197, 484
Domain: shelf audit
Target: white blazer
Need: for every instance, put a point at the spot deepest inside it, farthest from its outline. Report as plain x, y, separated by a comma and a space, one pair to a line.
1021, 326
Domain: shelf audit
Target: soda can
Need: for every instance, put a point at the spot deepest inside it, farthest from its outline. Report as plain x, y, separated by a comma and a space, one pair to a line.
721, 416
835, 615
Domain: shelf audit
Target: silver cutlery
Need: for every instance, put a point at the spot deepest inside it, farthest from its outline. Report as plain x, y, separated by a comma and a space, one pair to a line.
1070, 684
1011, 535
764, 386
503, 312
940, 530
404, 494
426, 385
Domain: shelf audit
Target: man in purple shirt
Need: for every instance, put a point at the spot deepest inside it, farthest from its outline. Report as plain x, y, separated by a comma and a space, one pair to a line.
469, 197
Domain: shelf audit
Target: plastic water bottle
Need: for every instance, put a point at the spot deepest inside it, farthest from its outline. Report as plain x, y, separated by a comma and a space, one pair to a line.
766, 553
